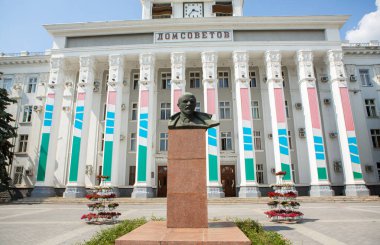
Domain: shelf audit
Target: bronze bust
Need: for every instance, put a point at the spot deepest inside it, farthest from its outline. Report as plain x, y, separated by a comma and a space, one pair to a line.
188, 117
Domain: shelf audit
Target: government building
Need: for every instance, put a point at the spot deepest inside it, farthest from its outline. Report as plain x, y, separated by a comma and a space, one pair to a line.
290, 96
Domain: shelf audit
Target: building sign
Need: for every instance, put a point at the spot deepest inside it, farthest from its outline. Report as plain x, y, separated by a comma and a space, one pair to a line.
192, 36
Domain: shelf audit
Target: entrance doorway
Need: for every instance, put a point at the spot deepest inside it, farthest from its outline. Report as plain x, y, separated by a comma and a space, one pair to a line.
162, 181
228, 180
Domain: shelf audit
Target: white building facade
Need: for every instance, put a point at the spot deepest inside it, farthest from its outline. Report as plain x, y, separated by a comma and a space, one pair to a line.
289, 95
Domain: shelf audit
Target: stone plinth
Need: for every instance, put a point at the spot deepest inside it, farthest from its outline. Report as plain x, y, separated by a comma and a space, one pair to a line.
156, 232
187, 191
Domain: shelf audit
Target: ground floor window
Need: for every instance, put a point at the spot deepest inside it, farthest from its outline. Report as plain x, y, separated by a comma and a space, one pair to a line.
17, 178
260, 173
378, 169
132, 175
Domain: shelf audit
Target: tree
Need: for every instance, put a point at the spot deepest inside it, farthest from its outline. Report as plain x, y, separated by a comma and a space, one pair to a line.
7, 132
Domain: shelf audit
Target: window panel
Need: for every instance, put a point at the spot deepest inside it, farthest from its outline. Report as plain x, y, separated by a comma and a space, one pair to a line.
134, 112
226, 141
195, 79
32, 85
260, 173
257, 140
23, 142
133, 142
165, 80
223, 78
164, 141
27, 113
255, 109
165, 111
370, 107
252, 77
375, 136
364, 77
17, 178
224, 110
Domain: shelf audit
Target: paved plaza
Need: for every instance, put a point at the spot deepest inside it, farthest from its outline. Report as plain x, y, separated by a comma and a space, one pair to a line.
325, 223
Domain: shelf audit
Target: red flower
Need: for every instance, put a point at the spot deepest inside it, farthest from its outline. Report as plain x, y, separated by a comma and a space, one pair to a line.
281, 173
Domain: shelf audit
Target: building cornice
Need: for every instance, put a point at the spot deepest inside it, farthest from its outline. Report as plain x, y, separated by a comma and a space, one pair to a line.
25, 60
236, 23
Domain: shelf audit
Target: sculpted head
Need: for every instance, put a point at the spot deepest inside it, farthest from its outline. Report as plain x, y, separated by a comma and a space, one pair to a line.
187, 103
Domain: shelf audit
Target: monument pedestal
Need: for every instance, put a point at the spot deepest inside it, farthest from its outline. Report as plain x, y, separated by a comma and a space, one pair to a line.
187, 192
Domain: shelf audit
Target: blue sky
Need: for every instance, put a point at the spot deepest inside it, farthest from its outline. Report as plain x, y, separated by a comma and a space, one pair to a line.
21, 20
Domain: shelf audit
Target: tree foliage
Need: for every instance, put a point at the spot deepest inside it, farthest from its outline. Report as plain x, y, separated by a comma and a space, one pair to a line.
7, 132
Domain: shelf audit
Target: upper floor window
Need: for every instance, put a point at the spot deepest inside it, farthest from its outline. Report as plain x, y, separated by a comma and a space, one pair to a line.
255, 109
102, 143
161, 11
165, 111
252, 77
27, 113
7, 84
290, 140
136, 78
370, 107
260, 173
257, 140
287, 109
222, 8
104, 111
283, 79
32, 84
133, 142
223, 79
134, 112
224, 110
23, 143
195, 79
226, 141
165, 80
364, 77
164, 139
375, 135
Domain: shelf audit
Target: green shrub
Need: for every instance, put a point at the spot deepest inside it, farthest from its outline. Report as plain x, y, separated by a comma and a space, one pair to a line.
258, 236
109, 236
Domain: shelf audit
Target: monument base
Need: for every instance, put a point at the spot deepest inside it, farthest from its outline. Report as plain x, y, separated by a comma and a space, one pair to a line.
249, 191
75, 192
156, 232
356, 190
321, 191
215, 192
142, 192
43, 191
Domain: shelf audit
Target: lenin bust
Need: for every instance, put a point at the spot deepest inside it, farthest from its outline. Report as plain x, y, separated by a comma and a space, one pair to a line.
189, 118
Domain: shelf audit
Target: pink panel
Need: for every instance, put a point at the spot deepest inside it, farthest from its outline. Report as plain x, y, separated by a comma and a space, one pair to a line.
211, 100
144, 98
280, 105
245, 104
51, 95
314, 108
81, 96
177, 94
112, 97
348, 119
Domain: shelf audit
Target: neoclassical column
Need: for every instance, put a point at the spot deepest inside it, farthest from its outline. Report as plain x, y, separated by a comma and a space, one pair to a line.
178, 82
45, 184
76, 182
210, 95
320, 184
113, 121
278, 115
348, 145
377, 80
248, 183
145, 124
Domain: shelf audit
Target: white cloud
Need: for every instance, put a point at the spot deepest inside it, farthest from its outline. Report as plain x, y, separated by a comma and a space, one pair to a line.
368, 28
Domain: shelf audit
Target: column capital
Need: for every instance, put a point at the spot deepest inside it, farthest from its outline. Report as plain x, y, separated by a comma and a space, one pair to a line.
57, 62
116, 60
336, 66
376, 69
209, 57
273, 66
147, 62
304, 60
86, 73
57, 66
241, 59
178, 61
209, 65
272, 56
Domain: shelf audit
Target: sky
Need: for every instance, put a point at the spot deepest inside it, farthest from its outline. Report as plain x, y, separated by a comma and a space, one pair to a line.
21, 20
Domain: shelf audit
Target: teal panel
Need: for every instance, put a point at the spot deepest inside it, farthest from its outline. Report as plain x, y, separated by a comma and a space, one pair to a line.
212, 168
249, 169
107, 160
141, 164
286, 168
43, 156
75, 150
322, 173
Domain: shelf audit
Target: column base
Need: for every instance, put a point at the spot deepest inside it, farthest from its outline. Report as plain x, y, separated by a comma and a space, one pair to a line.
249, 191
142, 192
43, 191
215, 192
321, 191
75, 192
358, 190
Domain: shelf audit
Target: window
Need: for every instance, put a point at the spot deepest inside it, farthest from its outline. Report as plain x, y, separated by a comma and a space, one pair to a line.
17, 178
106, 83
260, 173
370, 107
102, 143
7, 84
164, 141
226, 140
165, 111
198, 106
252, 76
293, 173
27, 113
161, 11
287, 109
195, 80
23, 143
133, 142
255, 109
136, 78
104, 112
224, 110
32, 85
283, 79
375, 135
378, 169
134, 112
223, 79
132, 175
364, 77
165, 79
222, 9
290, 140
257, 140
